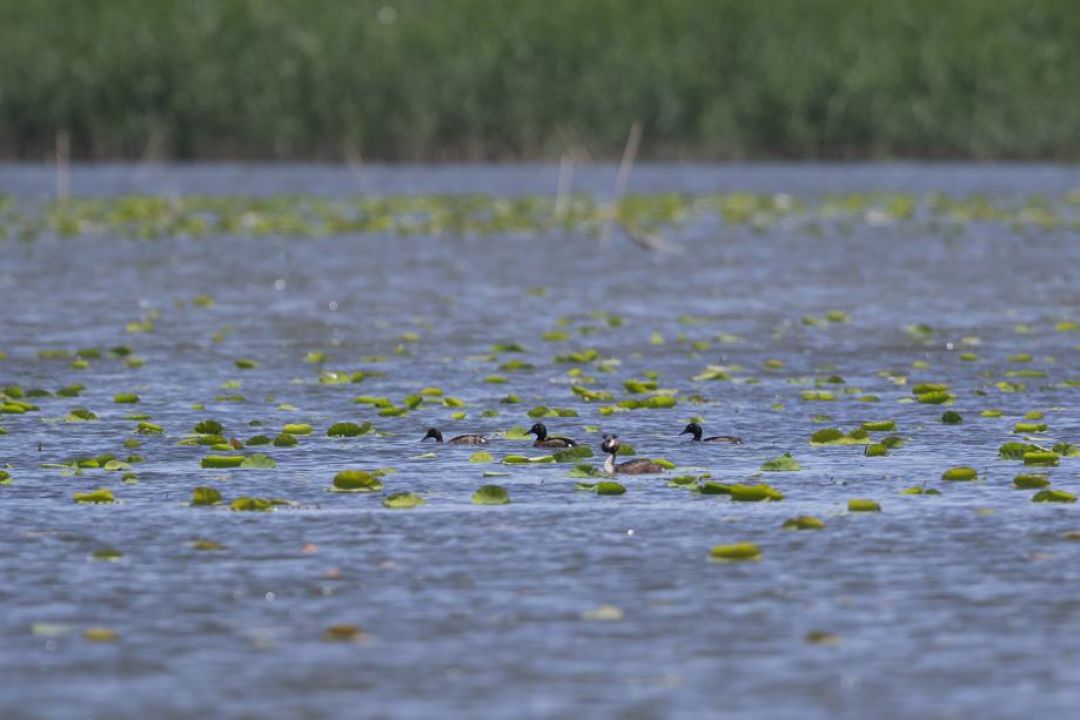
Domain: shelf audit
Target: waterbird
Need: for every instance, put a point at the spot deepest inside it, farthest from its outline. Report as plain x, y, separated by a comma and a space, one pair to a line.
640, 466
459, 440
695, 430
542, 439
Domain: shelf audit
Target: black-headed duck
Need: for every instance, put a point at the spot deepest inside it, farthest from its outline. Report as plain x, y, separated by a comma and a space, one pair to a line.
542, 439
459, 440
640, 466
695, 430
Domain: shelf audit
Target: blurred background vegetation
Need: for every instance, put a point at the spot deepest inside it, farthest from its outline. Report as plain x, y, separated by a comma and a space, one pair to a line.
440, 80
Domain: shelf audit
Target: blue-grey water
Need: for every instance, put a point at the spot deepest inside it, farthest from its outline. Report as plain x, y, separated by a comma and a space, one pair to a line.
965, 604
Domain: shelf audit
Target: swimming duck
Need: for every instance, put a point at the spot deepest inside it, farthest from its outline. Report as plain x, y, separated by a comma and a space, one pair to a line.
459, 440
695, 430
542, 439
640, 466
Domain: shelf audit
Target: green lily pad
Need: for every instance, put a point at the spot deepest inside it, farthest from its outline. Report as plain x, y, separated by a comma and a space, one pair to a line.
253, 504
403, 500
359, 481
609, 487
573, 454
919, 491
222, 461
297, 429
349, 429
879, 426
1041, 458
876, 450
804, 522
80, 415
491, 495
1026, 481
755, 493
101, 495
784, 463
5, 477
285, 440
1058, 496
951, 417
863, 505
205, 495
1016, 450
246, 364
962, 473
126, 398
735, 552
209, 427
258, 461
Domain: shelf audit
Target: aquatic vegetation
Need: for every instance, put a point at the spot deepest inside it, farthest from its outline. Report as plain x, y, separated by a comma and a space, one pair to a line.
148, 428
208, 427
126, 398
783, 463
258, 462
101, 495
607, 487
804, 522
1016, 450
359, 481
863, 505
754, 493
817, 396
254, 504
285, 440
735, 552
1026, 481
205, 495
879, 426
100, 635
5, 477
491, 495
935, 397
81, 415
573, 454
403, 501
349, 429
991, 413
222, 461
1066, 450
919, 491
961, 472
342, 632
876, 450
297, 429
246, 364
1029, 427
1042, 458
1055, 496
951, 417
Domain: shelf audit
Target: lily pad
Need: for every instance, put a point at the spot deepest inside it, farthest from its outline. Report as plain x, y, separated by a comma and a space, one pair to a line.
491, 495
297, 429
863, 505
609, 487
359, 481
126, 398
951, 417
101, 495
80, 415
961, 473
222, 461
258, 461
350, 429
252, 504
876, 450
1026, 481
755, 493
403, 500
804, 522
735, 552
784, 463
879, 426
209, 427
246, 364
285, 440
205, 495
1058, 496
1041, 458
481, 456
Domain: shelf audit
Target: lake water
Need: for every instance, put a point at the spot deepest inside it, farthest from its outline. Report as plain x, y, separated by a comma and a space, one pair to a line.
963, 604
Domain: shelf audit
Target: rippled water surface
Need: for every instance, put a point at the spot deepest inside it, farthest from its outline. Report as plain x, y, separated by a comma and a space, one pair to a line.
965, 604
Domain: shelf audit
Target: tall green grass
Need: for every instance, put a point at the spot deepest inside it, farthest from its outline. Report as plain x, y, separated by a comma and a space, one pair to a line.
513, 79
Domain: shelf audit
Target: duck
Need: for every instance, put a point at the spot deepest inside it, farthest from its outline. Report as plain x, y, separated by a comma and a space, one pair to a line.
542, 439
640, 466
459, 440
695, 430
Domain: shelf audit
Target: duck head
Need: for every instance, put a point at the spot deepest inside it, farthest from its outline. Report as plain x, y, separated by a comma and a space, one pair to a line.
432, 433
539, 430
610, 444
692, 429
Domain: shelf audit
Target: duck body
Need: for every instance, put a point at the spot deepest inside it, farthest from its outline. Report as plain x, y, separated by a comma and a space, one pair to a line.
640, 466
695, 430
435, 434
543, 441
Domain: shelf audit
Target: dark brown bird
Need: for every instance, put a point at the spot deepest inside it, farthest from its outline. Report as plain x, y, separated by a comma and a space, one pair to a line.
695, 430
641, 466
542, 439
459, 440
